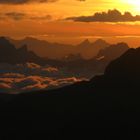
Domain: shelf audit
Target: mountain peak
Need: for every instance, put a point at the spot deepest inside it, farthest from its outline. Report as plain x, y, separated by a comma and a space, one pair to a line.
121, 45
3, 40
113, 51
5, 43
100, 41
86, 42
126, 66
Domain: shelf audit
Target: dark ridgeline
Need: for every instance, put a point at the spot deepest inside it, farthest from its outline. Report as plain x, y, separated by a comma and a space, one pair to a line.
12, 55
96, 65
9, 54
50, 50
106, 107
113, 51
74, 64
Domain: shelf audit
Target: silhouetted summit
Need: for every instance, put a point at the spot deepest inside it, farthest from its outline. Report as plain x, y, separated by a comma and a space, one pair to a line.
126, 69
91, 49
9, 54
85, 43
6, 46
100, 42
113, 51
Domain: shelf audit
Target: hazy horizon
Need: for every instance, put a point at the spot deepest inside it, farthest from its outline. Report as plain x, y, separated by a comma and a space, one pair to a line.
71, 22
132, 41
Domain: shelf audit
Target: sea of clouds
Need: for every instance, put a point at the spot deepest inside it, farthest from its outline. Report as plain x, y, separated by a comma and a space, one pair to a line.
31, 77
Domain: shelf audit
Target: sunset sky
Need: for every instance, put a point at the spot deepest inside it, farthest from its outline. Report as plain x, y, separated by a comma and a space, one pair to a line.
47, 19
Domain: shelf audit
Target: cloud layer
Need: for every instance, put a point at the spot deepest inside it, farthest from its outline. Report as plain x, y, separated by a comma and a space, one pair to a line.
20, 16
15, 15
110, 16
23, 1
29, 77
28, 1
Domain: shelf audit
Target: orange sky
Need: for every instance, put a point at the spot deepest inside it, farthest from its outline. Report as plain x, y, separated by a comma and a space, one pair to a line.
45, 21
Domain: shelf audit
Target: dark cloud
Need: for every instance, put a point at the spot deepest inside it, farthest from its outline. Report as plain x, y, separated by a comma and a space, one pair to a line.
46, 17
110, 16
15, 15
19, 16
27, 1
23, 1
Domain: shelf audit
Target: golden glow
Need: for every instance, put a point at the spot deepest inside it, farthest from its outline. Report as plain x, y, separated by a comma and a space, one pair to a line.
58, 30
133, 4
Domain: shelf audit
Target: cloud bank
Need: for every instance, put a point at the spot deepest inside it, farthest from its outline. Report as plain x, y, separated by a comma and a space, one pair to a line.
15, 15
28, 1
110, 16
21, 15
30, 77
23, 1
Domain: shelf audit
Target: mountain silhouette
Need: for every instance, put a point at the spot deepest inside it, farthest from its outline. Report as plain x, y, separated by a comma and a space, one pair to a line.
57, 50
7, 50
107, 106
112, 52
74, 64
9, 54
90, 49
99, 42
80, 67
44, 48
126, 68
85, 43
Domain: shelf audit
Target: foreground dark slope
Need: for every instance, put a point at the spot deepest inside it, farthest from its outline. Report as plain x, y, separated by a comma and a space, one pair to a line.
107, 107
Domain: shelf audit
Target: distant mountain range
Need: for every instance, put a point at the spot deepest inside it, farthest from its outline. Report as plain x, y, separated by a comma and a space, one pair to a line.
107, 106
12, 55
44, 48
73, 64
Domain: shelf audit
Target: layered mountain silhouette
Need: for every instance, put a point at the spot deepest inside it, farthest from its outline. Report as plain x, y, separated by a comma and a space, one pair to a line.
113, 51
97, 64
107, 106
57, 50
12, 55
90, 49
73, 64
9, 54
